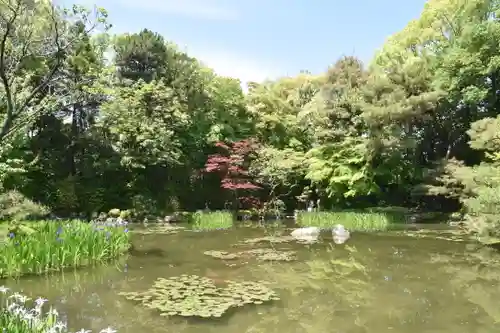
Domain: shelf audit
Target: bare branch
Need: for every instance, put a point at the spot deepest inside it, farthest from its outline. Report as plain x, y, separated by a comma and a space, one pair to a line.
22, 41
3, 75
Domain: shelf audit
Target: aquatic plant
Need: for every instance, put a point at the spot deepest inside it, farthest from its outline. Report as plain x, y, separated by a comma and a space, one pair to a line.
212, 220
347, 269
353, 221
160, 229
259, 254
194, 296
16, 316
271, 254
268, 239
448, 235
221, 255
57, 245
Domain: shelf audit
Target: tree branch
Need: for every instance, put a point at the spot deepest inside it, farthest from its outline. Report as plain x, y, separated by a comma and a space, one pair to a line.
3, 75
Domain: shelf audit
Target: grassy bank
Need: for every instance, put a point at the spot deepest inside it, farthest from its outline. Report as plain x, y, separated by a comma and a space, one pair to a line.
352, 220
212, 220
42, 247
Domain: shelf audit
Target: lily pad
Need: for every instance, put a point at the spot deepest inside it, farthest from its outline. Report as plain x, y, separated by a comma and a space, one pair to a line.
194, 296
161, 229
271, 254
268, 239
263, 254
221, 255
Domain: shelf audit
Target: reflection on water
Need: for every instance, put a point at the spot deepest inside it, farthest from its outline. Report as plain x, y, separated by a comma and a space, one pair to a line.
376, 284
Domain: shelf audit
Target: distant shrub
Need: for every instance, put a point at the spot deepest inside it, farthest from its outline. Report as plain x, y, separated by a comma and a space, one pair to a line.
15, 206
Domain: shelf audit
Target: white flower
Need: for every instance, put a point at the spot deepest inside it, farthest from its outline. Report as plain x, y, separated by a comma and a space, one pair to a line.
53, 312
59, 326
3, 289
84, 331
40, 302
108, 330
19, 311
28, 316
12, 306
15, 296
23, 299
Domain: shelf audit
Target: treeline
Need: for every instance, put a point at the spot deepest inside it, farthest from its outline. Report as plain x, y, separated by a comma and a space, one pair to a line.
153, 129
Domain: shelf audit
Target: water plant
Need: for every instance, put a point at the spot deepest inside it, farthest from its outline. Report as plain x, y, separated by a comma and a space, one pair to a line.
212, 220
259, 254
354, 221
16, 316
221, 255
195, 296
271, 254
57, 245
268, 239
448, 235
160, 229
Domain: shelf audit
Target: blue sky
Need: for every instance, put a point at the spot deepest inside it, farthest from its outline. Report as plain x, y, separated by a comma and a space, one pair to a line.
254, 40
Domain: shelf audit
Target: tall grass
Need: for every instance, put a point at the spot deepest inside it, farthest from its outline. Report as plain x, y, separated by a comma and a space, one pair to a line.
16, 316
212, 220
51, 246
354, 221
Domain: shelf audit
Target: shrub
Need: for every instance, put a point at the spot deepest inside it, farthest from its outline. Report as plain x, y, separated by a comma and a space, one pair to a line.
15, 206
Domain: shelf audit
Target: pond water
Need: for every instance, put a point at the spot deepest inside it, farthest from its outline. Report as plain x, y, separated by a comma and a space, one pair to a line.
373, 283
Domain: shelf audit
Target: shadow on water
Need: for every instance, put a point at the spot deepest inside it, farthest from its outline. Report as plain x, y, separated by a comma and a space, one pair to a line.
374, 283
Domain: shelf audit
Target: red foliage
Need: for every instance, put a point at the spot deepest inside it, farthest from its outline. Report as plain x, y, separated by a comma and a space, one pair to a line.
232, 165
249, 202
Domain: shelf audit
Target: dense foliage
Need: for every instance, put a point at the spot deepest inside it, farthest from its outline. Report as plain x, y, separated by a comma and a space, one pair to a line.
418, 127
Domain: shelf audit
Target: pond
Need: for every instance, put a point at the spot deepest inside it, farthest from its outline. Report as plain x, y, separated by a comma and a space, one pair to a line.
374, 283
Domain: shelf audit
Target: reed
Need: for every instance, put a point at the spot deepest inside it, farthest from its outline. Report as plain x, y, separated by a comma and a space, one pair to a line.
53, 246
353, 221
212, 220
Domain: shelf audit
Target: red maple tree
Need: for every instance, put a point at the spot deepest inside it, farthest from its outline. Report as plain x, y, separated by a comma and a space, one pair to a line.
232, 165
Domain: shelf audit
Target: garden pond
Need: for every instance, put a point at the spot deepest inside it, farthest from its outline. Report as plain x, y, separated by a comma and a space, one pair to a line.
176, 281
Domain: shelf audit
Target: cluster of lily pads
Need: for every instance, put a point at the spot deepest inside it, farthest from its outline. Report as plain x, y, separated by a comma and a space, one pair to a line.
159, 230
260, 254
195, 296
268, 239
449, 235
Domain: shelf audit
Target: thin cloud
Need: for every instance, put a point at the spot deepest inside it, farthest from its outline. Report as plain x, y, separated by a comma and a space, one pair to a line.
207, 10
234, 65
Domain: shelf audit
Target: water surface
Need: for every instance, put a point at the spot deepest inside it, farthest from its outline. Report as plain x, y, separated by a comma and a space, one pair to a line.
373, 283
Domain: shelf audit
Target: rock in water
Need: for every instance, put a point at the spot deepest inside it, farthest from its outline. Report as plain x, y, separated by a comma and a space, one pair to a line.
340, 234
306, 232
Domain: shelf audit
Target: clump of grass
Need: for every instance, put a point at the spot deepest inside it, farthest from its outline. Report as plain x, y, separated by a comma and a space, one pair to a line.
17, 317
212, 220
52, 246
354, 221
